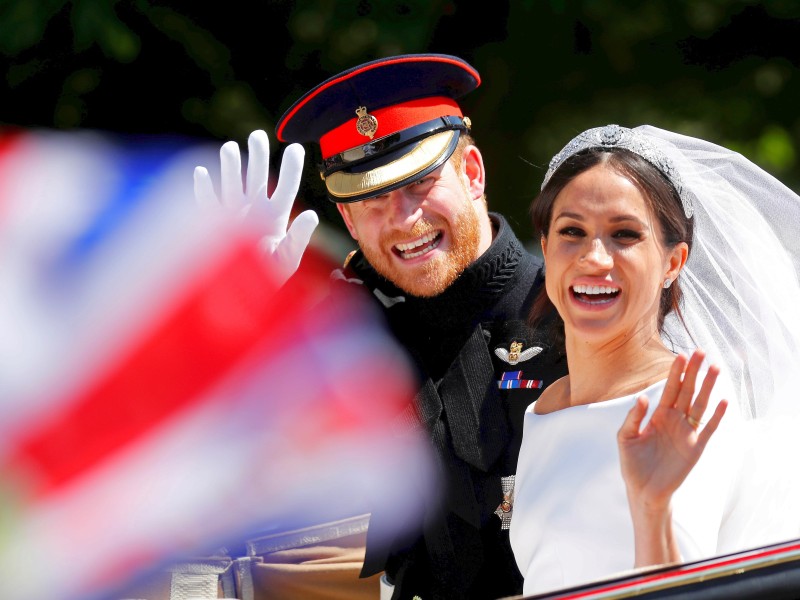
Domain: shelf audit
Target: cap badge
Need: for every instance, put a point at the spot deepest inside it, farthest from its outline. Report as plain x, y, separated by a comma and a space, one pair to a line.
516, 354
366, 123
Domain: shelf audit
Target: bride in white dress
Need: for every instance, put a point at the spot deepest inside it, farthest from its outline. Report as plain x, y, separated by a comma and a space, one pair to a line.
636, 458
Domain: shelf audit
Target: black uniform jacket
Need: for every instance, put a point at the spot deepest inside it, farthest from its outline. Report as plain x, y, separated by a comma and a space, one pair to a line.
480, 366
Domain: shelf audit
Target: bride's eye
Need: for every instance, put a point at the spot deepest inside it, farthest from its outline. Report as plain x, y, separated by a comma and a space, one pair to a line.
571, 231
627, 234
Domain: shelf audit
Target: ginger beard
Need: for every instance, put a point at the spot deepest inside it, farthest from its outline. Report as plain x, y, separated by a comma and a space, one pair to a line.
436, 274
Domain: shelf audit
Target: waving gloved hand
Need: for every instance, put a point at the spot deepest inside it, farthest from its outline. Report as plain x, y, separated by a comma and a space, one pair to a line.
282, 244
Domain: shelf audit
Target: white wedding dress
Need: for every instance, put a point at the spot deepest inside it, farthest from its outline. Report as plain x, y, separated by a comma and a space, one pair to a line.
571, 522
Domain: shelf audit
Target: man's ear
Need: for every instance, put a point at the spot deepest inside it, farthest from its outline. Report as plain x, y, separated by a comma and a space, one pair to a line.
344, 210
474, 172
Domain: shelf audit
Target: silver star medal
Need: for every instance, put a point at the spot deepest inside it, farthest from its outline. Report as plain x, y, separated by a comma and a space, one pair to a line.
506, 508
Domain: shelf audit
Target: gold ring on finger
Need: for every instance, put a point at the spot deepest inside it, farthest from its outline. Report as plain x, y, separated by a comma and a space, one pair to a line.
692, 421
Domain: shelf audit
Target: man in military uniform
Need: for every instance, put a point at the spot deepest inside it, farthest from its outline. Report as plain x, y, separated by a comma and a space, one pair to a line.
455, 285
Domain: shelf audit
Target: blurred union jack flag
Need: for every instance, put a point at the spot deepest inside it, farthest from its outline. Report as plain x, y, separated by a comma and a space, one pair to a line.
158, 395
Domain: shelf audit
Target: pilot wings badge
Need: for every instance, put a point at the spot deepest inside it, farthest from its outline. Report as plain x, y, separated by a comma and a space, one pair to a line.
516, 354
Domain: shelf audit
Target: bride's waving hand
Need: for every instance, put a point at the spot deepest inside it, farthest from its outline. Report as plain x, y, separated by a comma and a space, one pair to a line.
657, 458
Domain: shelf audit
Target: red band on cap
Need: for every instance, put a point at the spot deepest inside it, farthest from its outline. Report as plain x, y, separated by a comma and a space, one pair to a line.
356, 72
391, 119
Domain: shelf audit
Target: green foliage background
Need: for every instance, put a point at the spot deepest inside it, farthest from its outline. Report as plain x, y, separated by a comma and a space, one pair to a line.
725, 70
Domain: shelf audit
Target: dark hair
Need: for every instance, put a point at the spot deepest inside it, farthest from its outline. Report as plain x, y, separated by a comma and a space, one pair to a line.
659, 194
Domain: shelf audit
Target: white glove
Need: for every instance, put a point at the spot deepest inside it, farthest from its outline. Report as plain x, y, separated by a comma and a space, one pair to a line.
283, 246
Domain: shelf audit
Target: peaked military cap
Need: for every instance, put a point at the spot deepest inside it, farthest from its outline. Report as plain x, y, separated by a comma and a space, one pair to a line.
383, 124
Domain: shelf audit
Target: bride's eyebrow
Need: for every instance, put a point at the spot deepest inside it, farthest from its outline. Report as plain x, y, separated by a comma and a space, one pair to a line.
627, 219
623, 218
568, 215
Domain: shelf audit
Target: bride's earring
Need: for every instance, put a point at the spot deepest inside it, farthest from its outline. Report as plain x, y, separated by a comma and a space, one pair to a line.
667, 283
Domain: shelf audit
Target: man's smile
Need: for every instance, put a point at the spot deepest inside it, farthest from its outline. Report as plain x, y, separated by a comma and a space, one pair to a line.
420, 246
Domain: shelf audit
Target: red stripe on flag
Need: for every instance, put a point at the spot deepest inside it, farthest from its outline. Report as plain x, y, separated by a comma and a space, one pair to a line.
8, 139
8, 144
221, 317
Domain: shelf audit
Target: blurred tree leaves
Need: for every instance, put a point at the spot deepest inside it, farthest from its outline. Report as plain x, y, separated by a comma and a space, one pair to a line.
22, 24
726, 70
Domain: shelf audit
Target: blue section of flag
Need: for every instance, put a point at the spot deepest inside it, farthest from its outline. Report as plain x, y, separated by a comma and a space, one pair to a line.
138, 166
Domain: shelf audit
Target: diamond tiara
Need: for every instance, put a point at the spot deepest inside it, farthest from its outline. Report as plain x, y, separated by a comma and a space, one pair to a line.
614, 136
